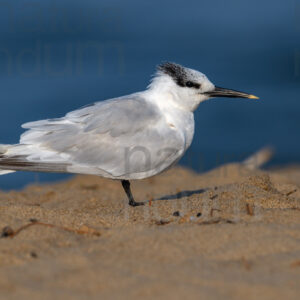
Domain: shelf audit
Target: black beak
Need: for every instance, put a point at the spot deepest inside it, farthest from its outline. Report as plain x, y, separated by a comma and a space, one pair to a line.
220, 92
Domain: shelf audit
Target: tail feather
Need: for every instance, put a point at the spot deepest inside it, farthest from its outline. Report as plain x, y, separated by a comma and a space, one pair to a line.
3, 149
10, 163
19, 163
4, 172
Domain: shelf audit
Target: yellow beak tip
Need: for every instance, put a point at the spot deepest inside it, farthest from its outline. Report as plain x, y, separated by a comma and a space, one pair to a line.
253, 97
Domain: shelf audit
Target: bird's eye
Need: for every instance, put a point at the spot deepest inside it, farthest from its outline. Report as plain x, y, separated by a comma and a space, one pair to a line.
189, 84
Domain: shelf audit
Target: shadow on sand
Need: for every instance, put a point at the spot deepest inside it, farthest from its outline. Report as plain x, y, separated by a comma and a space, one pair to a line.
181, 194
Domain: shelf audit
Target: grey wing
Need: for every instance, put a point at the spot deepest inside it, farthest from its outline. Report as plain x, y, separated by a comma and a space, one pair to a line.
124, 138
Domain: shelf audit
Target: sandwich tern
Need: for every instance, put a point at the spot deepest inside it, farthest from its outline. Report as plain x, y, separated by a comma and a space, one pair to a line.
130, 137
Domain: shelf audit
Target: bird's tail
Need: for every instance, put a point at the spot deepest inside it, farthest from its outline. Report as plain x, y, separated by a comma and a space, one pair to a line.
3, 150
22, 157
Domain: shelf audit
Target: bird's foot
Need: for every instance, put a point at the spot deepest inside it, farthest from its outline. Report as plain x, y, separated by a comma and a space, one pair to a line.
134, 203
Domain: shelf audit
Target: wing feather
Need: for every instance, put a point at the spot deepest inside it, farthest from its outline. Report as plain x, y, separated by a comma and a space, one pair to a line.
119, 138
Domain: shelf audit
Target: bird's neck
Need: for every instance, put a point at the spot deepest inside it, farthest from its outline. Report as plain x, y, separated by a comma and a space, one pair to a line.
165, 93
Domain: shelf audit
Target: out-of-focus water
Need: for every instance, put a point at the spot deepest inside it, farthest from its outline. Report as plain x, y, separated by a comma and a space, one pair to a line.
56, 56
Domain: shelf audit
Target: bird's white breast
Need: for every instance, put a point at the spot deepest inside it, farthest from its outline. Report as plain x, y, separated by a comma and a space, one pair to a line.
183, 122
176, 117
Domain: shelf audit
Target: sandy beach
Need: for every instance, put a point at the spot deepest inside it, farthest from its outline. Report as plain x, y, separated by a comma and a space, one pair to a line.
231, 233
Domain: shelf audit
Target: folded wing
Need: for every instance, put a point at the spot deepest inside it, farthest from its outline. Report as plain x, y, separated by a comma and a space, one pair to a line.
119, 138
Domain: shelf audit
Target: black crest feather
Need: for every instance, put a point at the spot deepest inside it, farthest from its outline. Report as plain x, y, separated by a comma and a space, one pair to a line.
176, 71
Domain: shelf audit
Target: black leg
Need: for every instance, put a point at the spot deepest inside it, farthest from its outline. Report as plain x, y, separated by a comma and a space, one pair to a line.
126, 187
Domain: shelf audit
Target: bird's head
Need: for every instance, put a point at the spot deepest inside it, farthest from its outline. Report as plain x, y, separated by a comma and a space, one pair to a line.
189, 87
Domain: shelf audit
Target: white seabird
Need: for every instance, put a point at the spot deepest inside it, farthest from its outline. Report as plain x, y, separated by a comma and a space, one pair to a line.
130, 137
